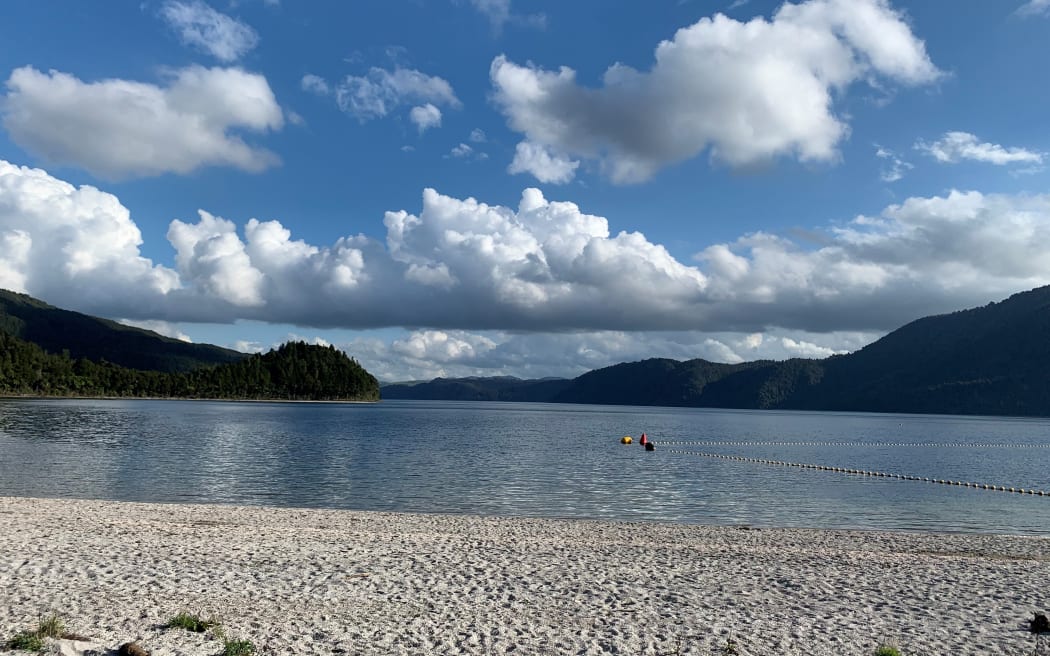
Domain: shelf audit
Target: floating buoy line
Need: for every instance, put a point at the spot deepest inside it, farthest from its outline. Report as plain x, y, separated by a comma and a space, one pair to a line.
858, 472
961, 445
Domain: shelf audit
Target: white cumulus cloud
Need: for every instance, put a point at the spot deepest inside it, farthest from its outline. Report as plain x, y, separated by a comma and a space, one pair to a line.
923, 256
954, 147
246, 346
315, 84
212, 257
209, 31
466, 152
119, 129
76, 246
425, 117
750, 92
427, 354
536, 159
804, 349
165, 328
462, 150
437, 346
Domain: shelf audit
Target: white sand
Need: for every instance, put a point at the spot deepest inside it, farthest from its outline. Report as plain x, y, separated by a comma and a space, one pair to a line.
322, 582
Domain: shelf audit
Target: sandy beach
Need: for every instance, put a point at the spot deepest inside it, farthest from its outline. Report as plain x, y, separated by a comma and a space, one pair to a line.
338, 582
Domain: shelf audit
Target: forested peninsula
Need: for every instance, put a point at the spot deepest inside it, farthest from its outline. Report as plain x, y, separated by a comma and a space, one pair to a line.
296, 371
49, 351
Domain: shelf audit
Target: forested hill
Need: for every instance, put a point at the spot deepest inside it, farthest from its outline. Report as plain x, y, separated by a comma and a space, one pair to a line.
993, 360
83, 336
295, 371
47, 351
989, 360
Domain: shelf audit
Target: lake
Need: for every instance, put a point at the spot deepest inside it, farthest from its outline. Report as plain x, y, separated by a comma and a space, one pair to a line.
537, 460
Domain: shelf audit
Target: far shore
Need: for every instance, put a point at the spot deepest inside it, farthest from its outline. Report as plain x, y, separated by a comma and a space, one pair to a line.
35, 397
298, 581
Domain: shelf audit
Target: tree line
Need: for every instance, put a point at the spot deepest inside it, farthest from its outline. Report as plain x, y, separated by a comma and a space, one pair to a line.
294, 371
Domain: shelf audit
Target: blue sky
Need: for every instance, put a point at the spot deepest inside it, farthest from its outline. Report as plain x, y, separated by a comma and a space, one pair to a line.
501, 187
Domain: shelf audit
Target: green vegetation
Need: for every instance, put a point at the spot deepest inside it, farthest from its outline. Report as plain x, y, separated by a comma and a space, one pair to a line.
237, 647
189, 622
295, 371
46, 351
92, 338
49, 627
52, 627
887, 650
26, 641
230, 647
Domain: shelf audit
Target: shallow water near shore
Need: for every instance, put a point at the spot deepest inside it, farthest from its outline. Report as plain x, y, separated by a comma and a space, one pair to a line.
535, 460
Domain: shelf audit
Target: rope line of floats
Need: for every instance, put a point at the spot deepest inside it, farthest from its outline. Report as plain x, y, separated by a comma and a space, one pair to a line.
972, 445
860, 472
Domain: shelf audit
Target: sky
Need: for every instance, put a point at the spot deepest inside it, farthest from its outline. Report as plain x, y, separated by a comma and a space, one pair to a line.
526, 188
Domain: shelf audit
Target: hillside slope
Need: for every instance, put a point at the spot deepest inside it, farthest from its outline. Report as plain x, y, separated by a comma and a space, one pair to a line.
989, 360
56, 330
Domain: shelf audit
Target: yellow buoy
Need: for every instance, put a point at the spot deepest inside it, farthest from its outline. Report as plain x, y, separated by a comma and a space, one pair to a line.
626, 439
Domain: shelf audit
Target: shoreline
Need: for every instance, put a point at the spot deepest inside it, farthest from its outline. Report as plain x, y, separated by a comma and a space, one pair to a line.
298, 580
32, 397
637, 522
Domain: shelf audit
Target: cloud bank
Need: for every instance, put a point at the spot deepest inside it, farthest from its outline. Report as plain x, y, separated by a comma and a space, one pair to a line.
117, 129
544, 266
427, 354
749, 92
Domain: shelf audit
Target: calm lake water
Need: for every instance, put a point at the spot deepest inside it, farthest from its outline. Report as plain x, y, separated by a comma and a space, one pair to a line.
540, 460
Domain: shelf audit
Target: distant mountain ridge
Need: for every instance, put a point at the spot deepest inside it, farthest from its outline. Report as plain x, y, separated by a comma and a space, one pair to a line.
497, 388
84, 336
993, 360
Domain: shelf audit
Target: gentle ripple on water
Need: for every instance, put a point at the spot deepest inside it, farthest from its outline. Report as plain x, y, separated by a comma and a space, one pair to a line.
540, 460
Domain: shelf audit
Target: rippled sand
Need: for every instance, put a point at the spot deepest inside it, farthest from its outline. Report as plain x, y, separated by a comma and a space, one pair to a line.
322, 582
